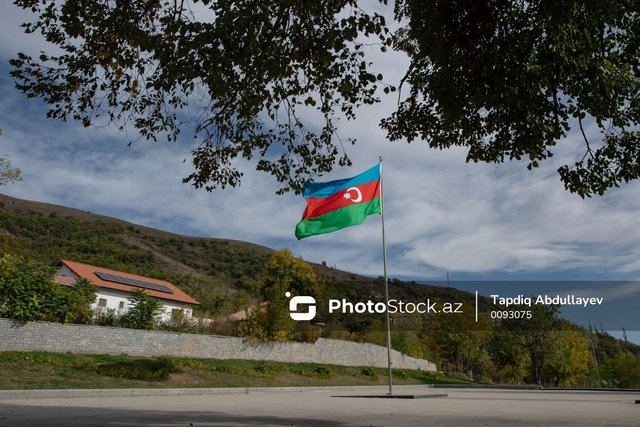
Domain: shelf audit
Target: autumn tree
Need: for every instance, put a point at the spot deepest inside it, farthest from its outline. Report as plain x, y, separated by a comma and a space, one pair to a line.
285, 274
570, 357
507, 351
457, 339
535, 336
503, 79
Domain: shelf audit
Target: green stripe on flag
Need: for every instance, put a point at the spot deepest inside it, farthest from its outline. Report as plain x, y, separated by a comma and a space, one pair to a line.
338, 219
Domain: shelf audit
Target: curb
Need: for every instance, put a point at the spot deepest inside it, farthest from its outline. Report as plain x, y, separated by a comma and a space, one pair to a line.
139, 392
534, 387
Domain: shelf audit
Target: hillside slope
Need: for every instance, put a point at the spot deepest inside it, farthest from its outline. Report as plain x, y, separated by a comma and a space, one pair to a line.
225, 275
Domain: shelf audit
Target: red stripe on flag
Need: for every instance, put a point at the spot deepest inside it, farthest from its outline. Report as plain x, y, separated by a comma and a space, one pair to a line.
362, 193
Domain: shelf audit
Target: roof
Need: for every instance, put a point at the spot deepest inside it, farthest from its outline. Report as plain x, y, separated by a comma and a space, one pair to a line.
88, 272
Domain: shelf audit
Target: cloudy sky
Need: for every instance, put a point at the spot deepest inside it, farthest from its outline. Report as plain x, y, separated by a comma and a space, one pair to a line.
474, 221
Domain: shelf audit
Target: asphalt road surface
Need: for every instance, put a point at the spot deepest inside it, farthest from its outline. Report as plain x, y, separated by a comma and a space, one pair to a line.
462, 407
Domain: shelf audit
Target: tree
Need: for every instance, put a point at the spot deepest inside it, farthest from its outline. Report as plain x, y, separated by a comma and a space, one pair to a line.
623, 371
506, 350
27, 290
248, 67
458, 339
143, 312
508, 79
285, 274
7, 173
213, 294
570, 357
74, 303
505, 79
354, 323
536, 336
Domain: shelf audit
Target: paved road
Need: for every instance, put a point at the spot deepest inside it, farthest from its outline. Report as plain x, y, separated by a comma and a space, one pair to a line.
321, 408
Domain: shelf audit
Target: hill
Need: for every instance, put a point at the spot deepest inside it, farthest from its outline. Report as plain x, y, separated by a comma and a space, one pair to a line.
225, 275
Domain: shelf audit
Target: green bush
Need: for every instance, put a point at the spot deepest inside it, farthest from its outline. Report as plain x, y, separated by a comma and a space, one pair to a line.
27, 290
164, 365
400, 374
369, 373
431, 376
108, 317
324, 372
264, 370
74, 303
143, 312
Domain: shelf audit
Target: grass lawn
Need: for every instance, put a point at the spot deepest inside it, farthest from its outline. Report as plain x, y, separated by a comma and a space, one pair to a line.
40, 370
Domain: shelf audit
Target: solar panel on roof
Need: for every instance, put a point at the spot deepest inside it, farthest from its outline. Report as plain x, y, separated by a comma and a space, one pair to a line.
133, 282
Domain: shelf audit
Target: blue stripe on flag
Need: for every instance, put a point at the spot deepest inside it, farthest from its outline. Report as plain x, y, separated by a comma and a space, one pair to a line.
320, 190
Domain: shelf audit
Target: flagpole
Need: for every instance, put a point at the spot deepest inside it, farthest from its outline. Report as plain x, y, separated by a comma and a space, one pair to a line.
386, 285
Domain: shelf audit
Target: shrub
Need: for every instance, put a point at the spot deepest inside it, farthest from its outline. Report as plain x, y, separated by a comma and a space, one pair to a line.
27, 290
400, 374
107, 317
164, 365
369, 373
74, 304
431, 376
264, 370
143, 312
324, 372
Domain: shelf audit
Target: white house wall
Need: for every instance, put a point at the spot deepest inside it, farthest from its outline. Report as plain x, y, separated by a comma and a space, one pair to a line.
170, 305
114, 298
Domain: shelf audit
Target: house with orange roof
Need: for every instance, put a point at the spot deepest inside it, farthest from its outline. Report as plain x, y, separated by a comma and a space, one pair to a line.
114, 289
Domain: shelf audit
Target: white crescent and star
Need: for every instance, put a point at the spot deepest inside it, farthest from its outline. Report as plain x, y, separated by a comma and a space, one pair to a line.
348, 196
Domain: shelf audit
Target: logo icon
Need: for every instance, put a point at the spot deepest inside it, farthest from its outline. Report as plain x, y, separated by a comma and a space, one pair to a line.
293, 307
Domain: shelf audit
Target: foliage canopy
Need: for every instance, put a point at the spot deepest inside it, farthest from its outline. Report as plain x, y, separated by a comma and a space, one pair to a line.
74, 303
508, 79
27, 290
247, 68
505, 79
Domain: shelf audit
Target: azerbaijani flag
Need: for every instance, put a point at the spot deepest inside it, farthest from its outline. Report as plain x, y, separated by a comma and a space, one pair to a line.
334, 205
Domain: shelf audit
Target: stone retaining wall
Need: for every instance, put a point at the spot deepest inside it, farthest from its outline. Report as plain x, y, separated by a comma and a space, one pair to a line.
90, 339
